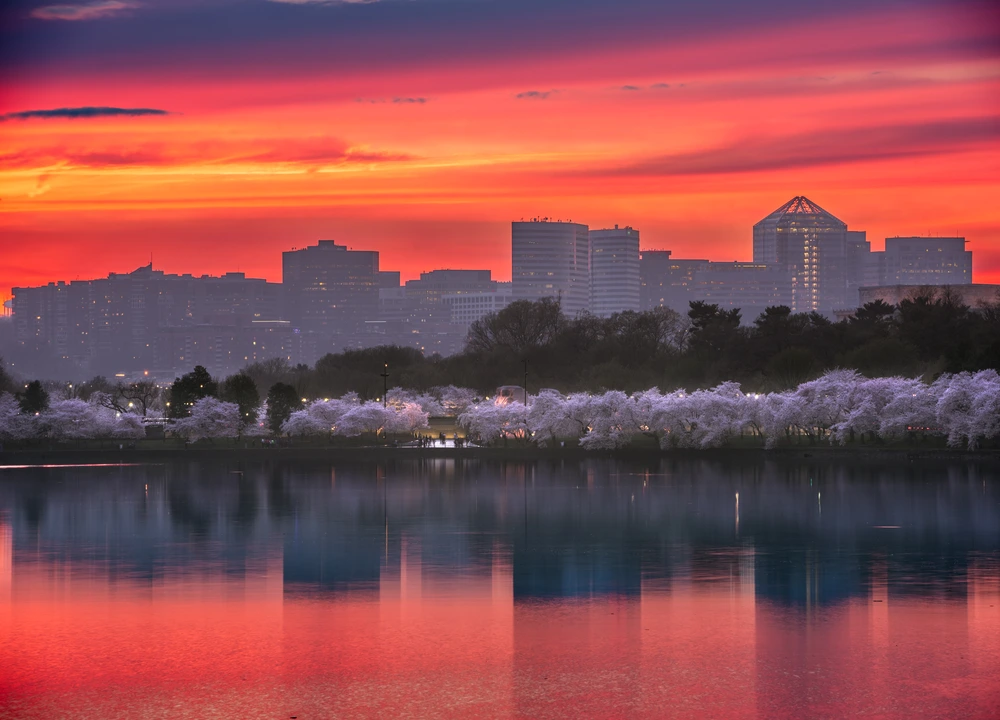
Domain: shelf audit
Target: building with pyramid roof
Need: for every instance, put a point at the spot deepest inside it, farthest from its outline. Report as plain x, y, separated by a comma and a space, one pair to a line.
811, 245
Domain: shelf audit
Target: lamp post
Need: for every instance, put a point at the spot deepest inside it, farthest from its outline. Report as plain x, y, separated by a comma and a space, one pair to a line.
385, 384
525, 382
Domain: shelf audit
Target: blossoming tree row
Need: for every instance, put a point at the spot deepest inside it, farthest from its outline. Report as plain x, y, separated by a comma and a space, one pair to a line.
839, 406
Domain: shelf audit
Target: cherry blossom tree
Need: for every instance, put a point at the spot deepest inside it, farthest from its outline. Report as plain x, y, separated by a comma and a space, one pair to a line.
454, 400
15, 425
492, 421
368, 417
963, 404
612, 421
210, 418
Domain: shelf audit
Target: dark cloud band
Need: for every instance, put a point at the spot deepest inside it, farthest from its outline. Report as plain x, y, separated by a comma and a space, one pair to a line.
81, 113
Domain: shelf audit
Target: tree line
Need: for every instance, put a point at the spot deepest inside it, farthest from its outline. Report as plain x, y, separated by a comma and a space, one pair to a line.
631, 351
923, 337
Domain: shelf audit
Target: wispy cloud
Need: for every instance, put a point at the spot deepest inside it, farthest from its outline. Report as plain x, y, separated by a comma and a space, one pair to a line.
636, 88
311, 153
81, 113
395, 100
535, 94
85, 11
820, 148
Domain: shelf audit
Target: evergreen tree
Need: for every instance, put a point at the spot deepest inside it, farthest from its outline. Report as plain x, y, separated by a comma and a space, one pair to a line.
189, 389
34, 399
242, 390
282, 401
6, 381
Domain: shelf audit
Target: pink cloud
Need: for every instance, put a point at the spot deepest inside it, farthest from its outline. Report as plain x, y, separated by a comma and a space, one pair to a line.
86, 11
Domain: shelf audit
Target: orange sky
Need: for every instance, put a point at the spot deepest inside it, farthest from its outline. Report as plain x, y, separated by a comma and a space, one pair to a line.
887, 119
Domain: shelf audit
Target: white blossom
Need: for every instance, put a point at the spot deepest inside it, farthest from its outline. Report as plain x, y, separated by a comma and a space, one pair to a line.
210, 418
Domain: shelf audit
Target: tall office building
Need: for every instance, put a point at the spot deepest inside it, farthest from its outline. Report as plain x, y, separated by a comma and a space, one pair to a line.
862, 265
551, 259
329, 289
926, 261
811, 245
614, 271
666, 281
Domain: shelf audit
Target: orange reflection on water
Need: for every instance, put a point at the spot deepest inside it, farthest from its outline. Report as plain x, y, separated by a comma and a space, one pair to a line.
422, 642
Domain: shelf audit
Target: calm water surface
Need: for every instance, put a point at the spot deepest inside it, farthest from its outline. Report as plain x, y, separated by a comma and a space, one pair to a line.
443, 588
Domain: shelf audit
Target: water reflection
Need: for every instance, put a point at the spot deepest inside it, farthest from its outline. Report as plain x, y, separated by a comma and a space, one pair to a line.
443, 587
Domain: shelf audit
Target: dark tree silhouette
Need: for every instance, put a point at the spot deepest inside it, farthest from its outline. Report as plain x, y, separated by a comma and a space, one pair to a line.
242, 390
188, 389
517, 328
34, 399
282, 401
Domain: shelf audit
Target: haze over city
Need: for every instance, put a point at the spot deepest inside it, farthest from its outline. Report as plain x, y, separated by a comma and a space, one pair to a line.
214, 135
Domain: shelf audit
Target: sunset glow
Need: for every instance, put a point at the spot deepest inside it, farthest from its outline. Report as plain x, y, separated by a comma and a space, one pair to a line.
422, 129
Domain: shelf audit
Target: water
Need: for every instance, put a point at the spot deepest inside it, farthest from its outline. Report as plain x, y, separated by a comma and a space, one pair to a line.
445, 588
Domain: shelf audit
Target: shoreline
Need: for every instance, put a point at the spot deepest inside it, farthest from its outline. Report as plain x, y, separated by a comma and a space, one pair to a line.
113, 456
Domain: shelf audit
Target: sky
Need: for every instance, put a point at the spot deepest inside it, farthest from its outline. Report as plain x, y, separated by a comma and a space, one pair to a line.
211, 136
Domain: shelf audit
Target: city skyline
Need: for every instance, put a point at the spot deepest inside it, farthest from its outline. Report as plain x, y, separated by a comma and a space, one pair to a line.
333, 298
127, 133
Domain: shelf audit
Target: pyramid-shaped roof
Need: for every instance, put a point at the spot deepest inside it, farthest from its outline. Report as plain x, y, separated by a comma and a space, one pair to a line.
801, 205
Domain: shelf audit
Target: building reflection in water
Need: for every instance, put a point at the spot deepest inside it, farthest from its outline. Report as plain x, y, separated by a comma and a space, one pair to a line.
762, 588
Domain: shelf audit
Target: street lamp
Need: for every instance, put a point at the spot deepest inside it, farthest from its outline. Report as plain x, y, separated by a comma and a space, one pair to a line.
525, 382
385, 385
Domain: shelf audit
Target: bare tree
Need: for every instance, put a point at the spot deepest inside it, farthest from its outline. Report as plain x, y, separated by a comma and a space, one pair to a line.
519, 326
137, 397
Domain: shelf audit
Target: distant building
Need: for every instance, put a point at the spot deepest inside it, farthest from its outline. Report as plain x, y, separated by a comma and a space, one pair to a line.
665, 281
811, 245
751, 287
115, 323
424, 294
971, 295
466, 308
614, 271
329, 289
551, 259
862, 265
926, 261
387, 279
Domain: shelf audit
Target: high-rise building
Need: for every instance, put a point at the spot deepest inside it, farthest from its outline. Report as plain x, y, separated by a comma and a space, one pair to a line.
551, 259
329, 289
926, 261
614, 271
811, 245
862, 265
751, 287
666, 281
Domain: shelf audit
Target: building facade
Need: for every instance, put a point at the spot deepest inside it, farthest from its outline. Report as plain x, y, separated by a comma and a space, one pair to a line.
749, 287
551, 260
466, 308
331, 290
665, 281
926, 261
116, 323
811, 245
614, 271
